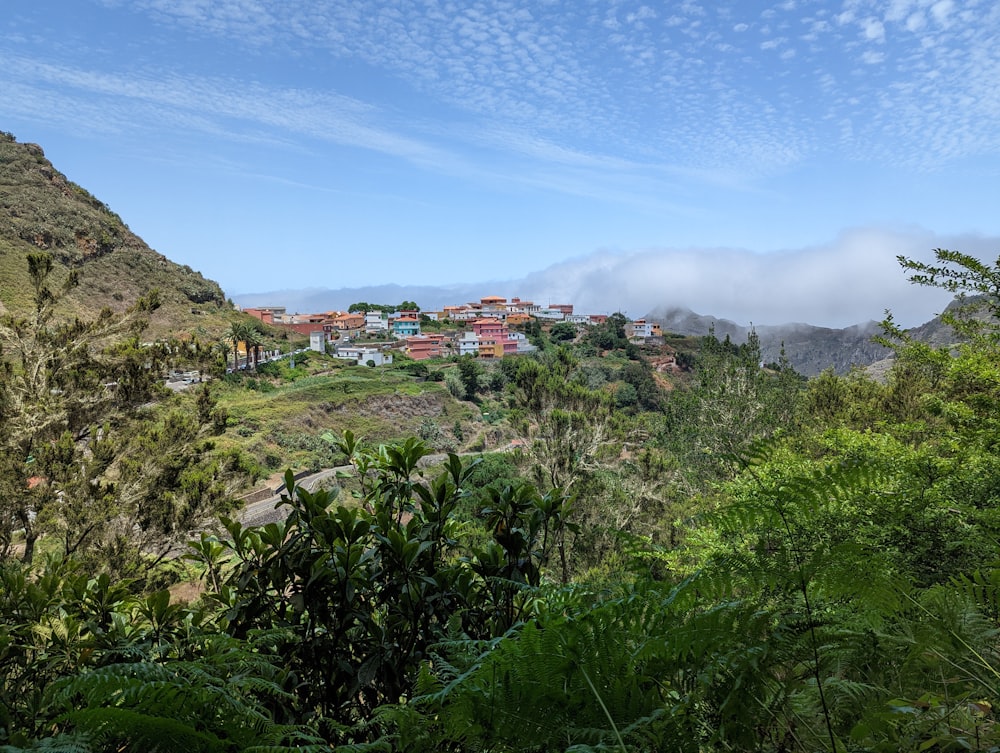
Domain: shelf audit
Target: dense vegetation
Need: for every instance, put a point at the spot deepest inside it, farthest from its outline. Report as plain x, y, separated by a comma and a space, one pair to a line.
744, 561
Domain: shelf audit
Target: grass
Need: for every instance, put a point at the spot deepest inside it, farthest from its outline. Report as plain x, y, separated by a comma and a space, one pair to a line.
283, 426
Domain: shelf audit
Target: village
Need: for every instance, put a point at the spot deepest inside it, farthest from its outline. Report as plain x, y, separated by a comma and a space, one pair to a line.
493, 327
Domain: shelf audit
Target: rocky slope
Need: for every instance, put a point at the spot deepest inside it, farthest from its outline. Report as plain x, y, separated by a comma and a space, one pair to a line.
42, 210
809, 349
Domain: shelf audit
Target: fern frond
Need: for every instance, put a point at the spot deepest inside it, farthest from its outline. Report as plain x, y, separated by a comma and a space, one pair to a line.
129, 730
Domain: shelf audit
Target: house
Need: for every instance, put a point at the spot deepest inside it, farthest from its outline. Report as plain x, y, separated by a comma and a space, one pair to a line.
490, 347
468, 344
348, 324
494, 338
549, 314
421, 347
517, 306
305, 324
361, 355
464, 313
405, 326
640, 329
521, 342
376, 322
266, 314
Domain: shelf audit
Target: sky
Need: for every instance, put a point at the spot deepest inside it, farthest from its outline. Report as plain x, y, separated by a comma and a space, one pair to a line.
764, 161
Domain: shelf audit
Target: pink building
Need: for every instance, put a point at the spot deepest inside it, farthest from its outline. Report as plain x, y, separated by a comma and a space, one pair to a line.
494, 338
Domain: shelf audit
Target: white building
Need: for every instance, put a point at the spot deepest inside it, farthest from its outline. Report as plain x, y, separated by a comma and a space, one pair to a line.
468, 344
523, 346
376, 321
362, 355
317, 341
550, 314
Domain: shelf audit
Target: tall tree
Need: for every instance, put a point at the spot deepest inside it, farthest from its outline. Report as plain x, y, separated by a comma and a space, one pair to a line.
235, 335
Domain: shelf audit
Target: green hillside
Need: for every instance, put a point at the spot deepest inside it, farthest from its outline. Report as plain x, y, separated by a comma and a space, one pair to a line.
42, 210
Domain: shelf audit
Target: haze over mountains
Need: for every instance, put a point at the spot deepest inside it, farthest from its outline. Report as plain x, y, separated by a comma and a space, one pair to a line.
851, 280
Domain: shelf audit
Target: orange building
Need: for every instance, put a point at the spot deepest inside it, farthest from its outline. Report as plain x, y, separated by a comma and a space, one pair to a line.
348, 322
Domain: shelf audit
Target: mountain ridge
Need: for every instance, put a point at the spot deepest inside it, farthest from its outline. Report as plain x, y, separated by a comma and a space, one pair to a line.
42, 210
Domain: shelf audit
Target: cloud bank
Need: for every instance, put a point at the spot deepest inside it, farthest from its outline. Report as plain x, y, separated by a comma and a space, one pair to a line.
851, 280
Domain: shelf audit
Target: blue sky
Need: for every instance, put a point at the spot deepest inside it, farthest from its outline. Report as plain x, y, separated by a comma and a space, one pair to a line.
765, 159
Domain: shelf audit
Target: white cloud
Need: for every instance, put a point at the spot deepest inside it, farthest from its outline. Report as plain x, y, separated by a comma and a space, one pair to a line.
898, 9
851, 280
873, 30
942, 12
915, 21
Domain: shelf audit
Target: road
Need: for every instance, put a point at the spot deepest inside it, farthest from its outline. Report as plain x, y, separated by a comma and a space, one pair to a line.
264, 512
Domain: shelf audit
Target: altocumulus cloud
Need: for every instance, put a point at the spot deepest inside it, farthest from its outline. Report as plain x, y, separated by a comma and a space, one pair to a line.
851, 280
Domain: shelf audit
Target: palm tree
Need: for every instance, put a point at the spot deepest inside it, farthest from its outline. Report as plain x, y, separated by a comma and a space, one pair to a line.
238, 332
253, 337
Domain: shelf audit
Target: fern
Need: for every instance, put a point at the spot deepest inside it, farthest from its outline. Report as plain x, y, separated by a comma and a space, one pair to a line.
222, 701
63, 743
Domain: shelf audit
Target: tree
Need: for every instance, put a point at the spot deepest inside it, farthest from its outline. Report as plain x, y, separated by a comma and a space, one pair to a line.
237, 334
354, 598
639, 375
733, 404
563, 332
609, 335
86, 454
961, 274
58, 379
253, 340
469, 372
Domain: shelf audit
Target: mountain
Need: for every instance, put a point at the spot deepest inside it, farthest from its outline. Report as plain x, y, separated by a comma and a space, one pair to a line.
809, 349
41, 210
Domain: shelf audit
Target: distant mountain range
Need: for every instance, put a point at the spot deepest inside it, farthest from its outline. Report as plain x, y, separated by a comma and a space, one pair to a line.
809, 349
315, 300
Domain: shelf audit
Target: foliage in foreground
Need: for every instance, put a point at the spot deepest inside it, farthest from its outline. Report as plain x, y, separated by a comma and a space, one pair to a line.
837, 591
370, 627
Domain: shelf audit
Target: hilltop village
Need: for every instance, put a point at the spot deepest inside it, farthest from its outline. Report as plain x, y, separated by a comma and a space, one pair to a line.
490, 328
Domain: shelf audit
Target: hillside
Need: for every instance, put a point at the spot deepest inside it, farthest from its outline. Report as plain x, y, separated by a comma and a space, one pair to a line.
42, 210
809, 349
